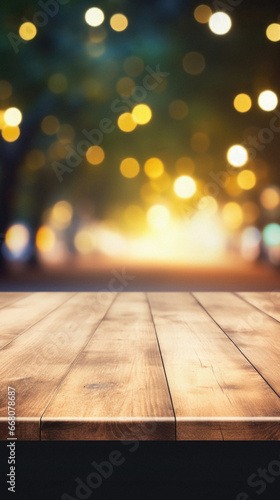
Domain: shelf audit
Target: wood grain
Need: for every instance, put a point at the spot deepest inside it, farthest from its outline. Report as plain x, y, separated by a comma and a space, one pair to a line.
216, 393
7, 298
253, 332
36, 362
20, 315
268, 302
117, 388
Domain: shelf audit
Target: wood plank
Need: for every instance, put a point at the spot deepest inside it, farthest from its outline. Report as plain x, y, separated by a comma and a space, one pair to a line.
215, 391
36, 362
18, 316
117, 389
253, 332
7, 298
268, 302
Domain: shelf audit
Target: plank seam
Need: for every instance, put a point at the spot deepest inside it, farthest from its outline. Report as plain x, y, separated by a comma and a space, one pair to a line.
36, 322
164, 371
255, 307
75, 361
278, 395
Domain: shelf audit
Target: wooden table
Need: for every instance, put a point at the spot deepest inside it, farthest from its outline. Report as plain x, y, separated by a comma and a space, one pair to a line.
156, 366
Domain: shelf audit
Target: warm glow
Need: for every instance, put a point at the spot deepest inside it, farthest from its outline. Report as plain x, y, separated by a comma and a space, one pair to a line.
17, 238
27, 31
208, 205
50, 125
10, 134
125, 86
193, 63
154, 168
126, 122
242, 103
133, 66
220, 23
129, 168
45, 239
232, 215
158, 217
184, 187
202, 14
237, 155
61, 215
95, 155
270, 198
12, 117
268, 100
118, 22
178, 109
94, 16
5, 89
57, 83
83, 241
141, 114
35, 159
185, 165
273, 32
246, 179
200, 142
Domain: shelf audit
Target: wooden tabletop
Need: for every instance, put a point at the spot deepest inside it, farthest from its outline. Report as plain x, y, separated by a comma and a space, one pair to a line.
156, 366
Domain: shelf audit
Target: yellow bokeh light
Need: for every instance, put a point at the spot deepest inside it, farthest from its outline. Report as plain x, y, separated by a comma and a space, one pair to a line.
184, 187
178, 109
66, 133
45, 239
246, 179
268, 100
273, 32
50, 125
27, 31
2, 121
129, 168
237, 155
153, 168
57, 83
5, 89
251, 212
232, 215
142, 114
95, 155
208, 204
17, 238
94, 16
220, 23
84, 242
35, 159
126, 122
118, 22
149, 192
242, 103
185, 165
61, 215
202, 13
270, 198
12, 117
200, 142
193, 63
158, 217
133, 66
10, 134
125, 86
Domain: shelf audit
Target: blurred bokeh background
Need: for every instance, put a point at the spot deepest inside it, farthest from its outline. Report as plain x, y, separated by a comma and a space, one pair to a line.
140, 144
